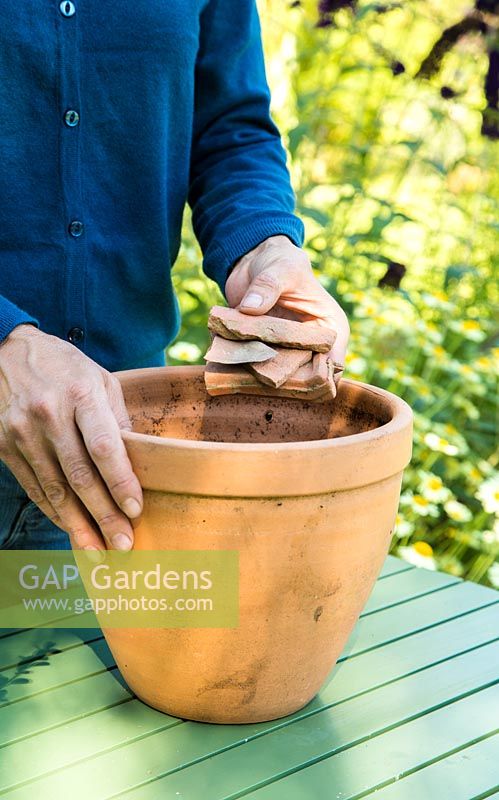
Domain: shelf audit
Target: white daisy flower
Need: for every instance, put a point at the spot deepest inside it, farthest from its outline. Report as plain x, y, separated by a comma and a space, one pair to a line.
469, 328
493, 575
402, 527
469, 373
492, 537
488, 494
457, 511
419, 504
356, 365
432, 487
184, 351
441, 445
419, 554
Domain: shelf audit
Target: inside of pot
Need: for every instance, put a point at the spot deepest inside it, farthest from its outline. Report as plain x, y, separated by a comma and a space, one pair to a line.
173, 402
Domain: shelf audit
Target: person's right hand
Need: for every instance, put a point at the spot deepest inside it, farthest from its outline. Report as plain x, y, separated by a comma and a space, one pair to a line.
60, 420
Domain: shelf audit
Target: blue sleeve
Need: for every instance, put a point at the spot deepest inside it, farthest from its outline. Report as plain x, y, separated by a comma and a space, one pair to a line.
11, 316
240, 191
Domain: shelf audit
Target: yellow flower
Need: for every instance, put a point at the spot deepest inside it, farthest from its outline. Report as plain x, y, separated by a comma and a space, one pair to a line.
357, 296
441, 296
471, 325
423, 548
420, 502
366, 310
439, 352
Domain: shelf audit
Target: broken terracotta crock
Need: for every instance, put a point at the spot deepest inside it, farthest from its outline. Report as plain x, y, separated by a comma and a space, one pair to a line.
306, 492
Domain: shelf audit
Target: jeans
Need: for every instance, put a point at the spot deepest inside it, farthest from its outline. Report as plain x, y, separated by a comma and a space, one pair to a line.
22, 525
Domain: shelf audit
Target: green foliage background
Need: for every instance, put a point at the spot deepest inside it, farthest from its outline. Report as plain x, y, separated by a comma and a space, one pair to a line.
387, 168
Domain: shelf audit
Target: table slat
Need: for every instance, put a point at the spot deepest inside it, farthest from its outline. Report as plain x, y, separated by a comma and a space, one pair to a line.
287, 746
465, 775
64, 667
392, 565
69, 702
28, 645
424, 644
395, 622
403, 586
355, 771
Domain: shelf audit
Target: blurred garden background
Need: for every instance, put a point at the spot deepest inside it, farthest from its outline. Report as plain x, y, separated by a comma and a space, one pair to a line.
389, 114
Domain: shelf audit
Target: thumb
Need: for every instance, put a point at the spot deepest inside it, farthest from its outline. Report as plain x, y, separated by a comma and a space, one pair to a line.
263, 292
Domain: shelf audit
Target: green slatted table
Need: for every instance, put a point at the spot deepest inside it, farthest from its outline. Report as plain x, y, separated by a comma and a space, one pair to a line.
410, 712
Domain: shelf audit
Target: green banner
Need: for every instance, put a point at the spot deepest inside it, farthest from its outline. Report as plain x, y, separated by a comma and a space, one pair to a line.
111, 589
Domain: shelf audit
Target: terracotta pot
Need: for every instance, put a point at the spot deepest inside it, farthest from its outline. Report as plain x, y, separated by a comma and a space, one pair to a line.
306, 492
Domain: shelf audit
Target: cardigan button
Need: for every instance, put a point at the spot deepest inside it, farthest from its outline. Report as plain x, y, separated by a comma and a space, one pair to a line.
66, 8
75, 335
71, 118
76, 228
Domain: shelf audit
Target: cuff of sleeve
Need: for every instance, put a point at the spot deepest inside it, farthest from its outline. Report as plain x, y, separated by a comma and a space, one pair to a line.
11, 316
219, 259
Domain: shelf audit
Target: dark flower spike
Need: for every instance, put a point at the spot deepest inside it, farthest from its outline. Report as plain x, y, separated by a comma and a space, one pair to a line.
397, 67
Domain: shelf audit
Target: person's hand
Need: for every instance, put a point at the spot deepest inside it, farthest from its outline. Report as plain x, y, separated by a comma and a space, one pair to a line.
60, 420
278, 275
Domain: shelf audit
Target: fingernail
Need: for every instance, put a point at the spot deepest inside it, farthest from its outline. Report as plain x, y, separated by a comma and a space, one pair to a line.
95, 555
121, 541
252, 300
131, 507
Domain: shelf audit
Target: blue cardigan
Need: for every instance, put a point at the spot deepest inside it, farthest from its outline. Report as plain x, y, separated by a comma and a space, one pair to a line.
112, 116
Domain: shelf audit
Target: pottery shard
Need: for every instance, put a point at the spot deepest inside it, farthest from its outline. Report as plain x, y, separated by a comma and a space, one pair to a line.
277, 370
230, 351
233, 324
319, 376
312, 381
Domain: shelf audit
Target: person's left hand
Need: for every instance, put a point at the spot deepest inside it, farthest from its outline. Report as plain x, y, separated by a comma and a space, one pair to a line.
278, 275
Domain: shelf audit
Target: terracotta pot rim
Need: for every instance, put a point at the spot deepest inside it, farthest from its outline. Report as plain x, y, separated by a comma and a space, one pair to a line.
269, 469
401, 418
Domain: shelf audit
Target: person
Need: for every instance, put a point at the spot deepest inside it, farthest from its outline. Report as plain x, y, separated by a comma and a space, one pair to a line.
112, 118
